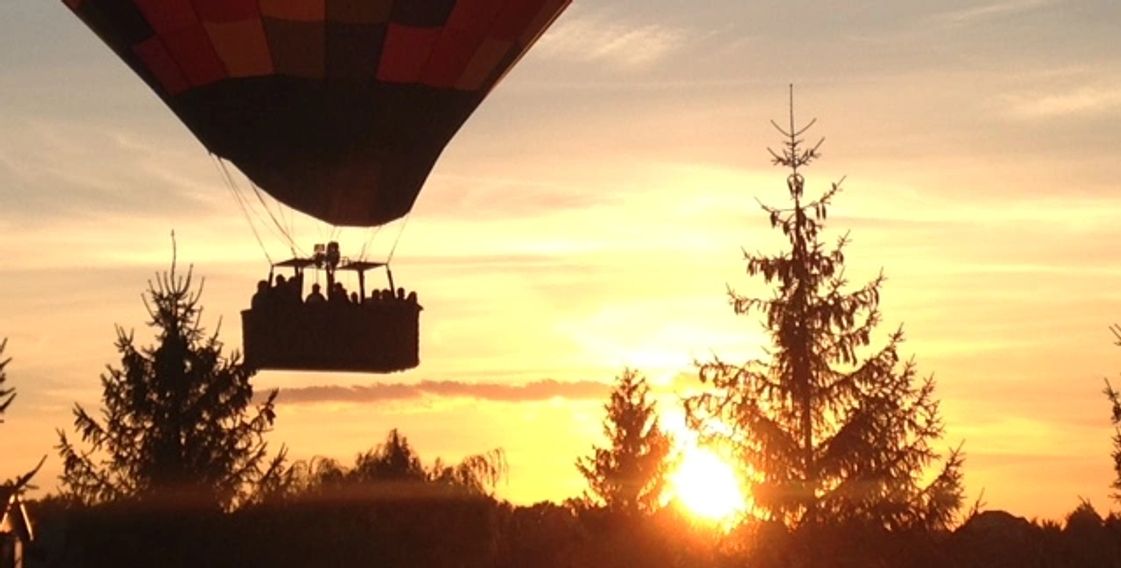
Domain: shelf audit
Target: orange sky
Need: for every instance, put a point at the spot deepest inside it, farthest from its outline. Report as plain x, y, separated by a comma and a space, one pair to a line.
590, 214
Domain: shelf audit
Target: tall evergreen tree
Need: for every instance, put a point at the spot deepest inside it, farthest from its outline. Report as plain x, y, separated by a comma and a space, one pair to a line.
833, 434
176, 419
628, 476
7, 395
1115, 401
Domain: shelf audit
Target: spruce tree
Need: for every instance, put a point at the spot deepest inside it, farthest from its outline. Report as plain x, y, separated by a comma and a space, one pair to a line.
178, 422
628, 476
833, 430
7, 395
1115, 401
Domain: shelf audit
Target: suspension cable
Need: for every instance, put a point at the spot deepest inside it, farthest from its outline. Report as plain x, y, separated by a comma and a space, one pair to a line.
366, 245
243, 199
244, 210
286, 217
279, 225
401, 233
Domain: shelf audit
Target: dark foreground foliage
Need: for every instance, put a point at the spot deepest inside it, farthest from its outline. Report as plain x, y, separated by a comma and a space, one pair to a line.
426, 525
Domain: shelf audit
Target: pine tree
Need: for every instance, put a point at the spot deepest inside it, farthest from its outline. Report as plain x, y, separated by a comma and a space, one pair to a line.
176, 423
1115, 401
7, 395
628, 476
833, 434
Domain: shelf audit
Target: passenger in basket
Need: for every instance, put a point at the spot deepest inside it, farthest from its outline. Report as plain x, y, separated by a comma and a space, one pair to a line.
315, 297
261, 298
282, 292
337, 294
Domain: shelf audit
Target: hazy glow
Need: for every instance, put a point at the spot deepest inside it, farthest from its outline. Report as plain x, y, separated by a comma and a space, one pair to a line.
707, 486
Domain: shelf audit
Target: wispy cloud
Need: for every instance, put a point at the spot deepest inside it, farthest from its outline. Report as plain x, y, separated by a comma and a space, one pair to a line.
52, 169
1080, 101
596, 37
984, 12
496, 392
491, 195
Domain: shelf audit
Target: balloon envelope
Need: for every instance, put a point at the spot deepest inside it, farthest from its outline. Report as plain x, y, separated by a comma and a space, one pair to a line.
337, 108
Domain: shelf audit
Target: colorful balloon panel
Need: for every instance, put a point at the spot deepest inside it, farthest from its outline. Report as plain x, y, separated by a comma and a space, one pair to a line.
338, 108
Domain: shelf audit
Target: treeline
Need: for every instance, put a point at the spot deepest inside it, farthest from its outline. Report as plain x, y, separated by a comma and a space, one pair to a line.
374, 515
386, 509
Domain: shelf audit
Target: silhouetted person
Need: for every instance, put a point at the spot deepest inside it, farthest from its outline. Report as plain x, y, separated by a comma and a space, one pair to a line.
296, 286
279, 287
354, 298
401, 294
261, 298
337, 294
412, 298
315, 297
282, 292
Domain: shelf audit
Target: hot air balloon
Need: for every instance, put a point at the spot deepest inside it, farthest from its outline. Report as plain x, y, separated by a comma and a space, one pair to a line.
336, 108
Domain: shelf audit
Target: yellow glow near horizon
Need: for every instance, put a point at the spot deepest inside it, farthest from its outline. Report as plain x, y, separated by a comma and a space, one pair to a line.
707, 486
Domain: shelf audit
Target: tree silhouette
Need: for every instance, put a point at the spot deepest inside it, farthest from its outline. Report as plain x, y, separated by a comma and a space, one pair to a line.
394, 462
1115, 400
833, 435
176, 423
7, 395
477, 474
387, 508
628, 476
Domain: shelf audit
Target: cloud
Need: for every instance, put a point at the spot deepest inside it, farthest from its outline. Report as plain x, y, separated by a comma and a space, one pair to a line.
50, 168
1080, 101
495, 392
977, 14
587, 38
490, 196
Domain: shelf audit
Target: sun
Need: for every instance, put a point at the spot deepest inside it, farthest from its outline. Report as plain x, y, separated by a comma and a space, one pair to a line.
707, 486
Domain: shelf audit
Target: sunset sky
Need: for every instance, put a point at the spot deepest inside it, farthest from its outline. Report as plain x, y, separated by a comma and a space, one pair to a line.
592, 212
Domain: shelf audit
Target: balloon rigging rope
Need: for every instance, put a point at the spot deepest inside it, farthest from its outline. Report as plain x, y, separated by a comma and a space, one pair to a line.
244, 211
319, 231
286, 217
284, 228
400, 234
373, 235
231, 184
279, 225
244, 201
